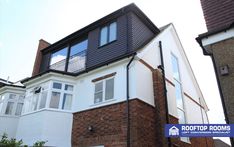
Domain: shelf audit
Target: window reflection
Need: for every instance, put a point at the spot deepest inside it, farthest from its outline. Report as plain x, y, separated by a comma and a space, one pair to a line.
58, 60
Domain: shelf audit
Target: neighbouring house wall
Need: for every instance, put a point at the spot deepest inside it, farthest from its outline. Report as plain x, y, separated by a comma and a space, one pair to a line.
46, 125
223, 53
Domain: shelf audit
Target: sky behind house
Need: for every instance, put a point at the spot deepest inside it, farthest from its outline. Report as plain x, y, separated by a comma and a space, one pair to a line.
23, 23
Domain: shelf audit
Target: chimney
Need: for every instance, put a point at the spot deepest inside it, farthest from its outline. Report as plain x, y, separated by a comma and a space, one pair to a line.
36, 68
218, 13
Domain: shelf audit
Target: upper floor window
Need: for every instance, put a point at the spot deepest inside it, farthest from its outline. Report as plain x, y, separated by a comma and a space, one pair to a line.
58, 59
108, 34
77, 56
104, 90
70, 59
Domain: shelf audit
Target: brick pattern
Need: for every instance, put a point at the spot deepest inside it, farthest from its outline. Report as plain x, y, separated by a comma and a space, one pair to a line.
218, 13
109, 126
36, 68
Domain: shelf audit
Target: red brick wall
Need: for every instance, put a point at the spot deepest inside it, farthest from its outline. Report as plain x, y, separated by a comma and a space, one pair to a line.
218, 13
109, 123
42, 44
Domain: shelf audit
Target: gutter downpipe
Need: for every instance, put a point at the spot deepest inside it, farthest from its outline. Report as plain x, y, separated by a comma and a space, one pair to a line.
127, 102
165, 88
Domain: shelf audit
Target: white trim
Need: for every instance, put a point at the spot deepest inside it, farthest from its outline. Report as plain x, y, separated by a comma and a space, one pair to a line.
218, 37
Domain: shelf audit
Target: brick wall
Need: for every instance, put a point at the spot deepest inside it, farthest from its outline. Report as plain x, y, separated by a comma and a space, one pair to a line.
109, 126
42, 44
218, 13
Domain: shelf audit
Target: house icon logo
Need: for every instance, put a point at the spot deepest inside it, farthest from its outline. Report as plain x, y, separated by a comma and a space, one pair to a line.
173, 131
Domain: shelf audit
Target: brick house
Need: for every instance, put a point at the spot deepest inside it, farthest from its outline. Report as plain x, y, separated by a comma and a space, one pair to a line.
218, 43
115, 82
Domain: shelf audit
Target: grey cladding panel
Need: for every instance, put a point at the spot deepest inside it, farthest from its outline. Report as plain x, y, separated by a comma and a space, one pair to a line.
115, 49
141, 34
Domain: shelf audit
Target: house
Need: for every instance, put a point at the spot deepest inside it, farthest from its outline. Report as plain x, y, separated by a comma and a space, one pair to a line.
218, 43
115, 82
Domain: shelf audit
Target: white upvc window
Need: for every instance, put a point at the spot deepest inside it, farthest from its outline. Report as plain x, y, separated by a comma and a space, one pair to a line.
61, 96
104, 90
14, 104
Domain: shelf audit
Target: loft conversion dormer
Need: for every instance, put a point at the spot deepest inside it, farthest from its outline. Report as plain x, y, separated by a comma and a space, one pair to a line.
113, 37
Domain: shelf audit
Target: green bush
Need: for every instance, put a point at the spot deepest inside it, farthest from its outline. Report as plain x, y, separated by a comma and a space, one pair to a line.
6, 142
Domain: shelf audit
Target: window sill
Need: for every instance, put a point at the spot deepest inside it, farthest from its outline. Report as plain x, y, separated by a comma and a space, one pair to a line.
99, 47
104, 102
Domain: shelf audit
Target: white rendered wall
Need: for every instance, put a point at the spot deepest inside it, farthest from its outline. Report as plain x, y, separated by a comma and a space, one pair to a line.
171, 45
46, 125
8, 124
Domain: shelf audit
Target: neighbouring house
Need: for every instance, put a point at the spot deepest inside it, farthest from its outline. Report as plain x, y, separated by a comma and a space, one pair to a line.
115, 82
218, 43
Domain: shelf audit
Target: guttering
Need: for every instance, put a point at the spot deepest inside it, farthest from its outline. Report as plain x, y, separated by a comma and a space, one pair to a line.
127, 101
164, 87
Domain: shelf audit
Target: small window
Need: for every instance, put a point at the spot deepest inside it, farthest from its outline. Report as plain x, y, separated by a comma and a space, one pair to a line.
108, 34
67, 101
104, 90
9, 108
19, 108
68, 87
57, 85
12, 96
98, 92
43, 100
55, 98
109, 89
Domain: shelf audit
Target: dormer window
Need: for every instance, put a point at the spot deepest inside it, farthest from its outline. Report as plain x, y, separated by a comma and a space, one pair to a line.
108, 34
70, 59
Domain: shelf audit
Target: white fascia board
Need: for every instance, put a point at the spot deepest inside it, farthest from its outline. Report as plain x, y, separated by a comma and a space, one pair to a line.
218, 37
11, 89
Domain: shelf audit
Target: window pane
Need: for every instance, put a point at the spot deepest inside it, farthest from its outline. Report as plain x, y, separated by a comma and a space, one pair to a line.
109, 89
43, 100
98, 87
175, 68
57, 85
77, 62
58, 60
103, 36
12, 96
79, 47
19, 108
179, 97
1, 104
9, 108
98, 97
54, 102
68, 87
67, 101
35, 101
21, 97
112, 32
181, 116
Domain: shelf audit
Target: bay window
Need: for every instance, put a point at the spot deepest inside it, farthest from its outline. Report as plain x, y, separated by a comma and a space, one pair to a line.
54, 95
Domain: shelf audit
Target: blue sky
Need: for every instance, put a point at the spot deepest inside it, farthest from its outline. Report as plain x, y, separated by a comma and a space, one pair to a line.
23, 23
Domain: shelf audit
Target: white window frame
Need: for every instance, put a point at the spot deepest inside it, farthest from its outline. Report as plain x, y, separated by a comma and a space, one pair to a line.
104, 90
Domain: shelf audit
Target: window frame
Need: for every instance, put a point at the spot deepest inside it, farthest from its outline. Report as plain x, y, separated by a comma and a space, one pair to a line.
104, 90
68, 46
108, 34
